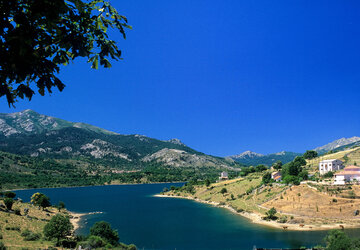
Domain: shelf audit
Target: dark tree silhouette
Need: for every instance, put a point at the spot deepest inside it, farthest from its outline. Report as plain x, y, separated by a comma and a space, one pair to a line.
37, 36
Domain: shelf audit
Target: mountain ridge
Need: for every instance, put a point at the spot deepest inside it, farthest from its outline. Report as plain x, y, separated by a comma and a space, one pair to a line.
33, 134
337, 144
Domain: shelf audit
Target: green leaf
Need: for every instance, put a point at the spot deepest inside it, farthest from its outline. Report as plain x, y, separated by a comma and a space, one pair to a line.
95, 64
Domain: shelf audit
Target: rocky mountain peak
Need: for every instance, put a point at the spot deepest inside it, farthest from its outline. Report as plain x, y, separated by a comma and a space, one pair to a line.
246, 154
337, 143
176, 141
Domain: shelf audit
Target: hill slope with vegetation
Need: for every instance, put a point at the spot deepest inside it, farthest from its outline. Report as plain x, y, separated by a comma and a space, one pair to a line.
43, 151
301, 201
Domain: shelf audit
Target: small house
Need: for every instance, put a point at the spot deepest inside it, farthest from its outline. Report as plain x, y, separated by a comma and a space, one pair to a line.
276, 176
224, 176
330, 165
349, 174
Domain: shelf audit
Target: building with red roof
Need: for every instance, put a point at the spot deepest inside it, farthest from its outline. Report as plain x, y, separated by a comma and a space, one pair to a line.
347, 175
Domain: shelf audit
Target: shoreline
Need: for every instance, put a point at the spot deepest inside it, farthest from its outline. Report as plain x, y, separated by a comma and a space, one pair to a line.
117, 184
257, 218
76, 218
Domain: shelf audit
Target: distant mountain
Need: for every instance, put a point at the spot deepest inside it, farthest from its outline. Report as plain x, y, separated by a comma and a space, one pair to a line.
337, 144
252, 159
31, 122
246, 155
30, 133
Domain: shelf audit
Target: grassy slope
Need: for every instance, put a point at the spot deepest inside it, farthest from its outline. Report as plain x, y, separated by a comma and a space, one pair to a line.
348, 156
238, 188
12, 238
311, 204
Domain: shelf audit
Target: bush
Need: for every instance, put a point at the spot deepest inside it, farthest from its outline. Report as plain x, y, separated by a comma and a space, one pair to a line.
8, 203
282, 219
17, 211
95, 242
329, 174
223, 190
30, 236
13, 228
104, 230
270, 214
2, 246
9, 194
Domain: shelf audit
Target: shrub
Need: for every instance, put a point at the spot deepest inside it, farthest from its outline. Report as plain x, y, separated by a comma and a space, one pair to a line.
9, 194
13, 228
270, 214
8, 203
17, 211
223, 190
282, 219
2, 246
30, 236
104, 230
334, 200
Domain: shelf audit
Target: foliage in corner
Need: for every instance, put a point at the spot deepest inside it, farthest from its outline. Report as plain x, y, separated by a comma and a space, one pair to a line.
37, 36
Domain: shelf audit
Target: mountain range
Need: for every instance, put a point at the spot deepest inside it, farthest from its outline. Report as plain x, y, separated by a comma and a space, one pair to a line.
252, 158
33, 134
43, 151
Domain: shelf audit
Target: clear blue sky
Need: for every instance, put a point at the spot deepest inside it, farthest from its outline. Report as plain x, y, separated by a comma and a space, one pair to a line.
224, 76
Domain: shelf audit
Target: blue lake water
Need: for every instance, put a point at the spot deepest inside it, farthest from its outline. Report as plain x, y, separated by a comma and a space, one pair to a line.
168, 223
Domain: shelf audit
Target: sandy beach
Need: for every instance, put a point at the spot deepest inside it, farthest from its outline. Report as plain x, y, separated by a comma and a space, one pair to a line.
257, 218
76, 218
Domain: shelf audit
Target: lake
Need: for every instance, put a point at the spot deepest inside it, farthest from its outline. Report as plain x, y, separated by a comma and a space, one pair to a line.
168, 223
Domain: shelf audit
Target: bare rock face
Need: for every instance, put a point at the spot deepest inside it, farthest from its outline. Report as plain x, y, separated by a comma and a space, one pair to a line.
180, 158
31, 122
99, 148
337, 143
246, 154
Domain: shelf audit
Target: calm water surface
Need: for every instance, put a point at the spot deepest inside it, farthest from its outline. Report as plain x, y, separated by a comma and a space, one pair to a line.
168, 223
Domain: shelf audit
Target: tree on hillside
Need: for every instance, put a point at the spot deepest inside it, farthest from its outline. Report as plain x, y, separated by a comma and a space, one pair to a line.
58, 227
61, 205
270, 214
207, 182
8, 203
266, 178
310, 154
103, 230
260, 168
277, 165
338, 240
41, 200
37, 36
9, 194
299, 161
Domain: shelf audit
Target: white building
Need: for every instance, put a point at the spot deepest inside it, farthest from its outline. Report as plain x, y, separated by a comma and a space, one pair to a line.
276, 176
330, 165
349, 174
224, 176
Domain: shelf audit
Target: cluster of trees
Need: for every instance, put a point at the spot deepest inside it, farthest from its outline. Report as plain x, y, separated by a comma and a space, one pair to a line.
59, 228
292, 172
247, 170
339, 240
